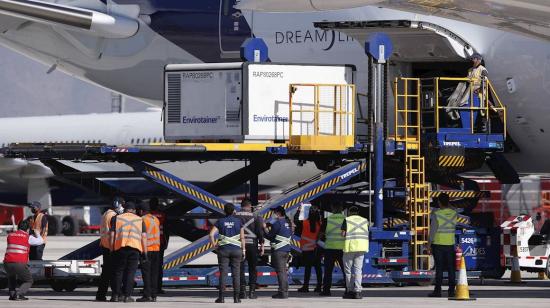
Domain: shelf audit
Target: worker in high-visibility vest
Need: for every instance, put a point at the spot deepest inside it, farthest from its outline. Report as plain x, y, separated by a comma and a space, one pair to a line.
150, 265
280, 234
128, 242
442, 243
334, 245
16, 259
355, 230
311, 252
254, 244
158, 212
106, 278
230, 248
39, 222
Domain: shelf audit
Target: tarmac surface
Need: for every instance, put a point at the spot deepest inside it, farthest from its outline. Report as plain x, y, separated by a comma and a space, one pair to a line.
493, 293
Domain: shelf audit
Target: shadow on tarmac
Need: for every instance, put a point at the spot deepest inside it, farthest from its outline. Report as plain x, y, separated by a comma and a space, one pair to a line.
489, 289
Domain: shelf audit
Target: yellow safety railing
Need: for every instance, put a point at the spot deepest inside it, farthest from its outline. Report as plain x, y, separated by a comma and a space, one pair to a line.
486, 104
407, 126
321, 117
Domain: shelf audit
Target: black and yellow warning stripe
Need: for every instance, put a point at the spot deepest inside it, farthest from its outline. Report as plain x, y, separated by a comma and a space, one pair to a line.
199, 250
463, 220
459, 193
451, 161
394, 222
189, 191
308, 195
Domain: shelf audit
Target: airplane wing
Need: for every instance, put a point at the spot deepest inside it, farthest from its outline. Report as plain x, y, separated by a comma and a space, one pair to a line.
528, 17
92, 21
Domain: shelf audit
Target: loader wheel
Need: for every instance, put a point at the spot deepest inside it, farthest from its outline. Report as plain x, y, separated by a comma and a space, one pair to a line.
496, 274
70, 226
57, 286
70, 286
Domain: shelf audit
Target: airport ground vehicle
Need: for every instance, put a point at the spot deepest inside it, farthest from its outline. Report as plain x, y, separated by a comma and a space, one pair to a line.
61, 275
264, 112
532, 247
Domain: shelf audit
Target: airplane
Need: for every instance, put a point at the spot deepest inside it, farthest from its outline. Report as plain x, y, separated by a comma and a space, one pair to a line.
123, 45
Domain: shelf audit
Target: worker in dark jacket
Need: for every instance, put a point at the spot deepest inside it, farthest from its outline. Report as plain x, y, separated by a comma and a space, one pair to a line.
39, 223
280, 235
231, 249
254, 237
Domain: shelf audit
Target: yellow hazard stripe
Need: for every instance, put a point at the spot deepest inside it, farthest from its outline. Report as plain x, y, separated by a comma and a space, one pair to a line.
458, 194
189, 255
188, 190
451, 161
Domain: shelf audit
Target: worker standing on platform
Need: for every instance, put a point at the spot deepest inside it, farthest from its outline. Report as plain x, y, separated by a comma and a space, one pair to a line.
311, 252
106, 278
16, 259
477, 72
253, 236
150, 265
39, 223
128, 241
442, 240
355, 230
231, 249
334, 245
280, 235
155, 207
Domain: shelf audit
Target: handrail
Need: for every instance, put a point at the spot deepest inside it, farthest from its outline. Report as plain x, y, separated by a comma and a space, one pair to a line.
487, 105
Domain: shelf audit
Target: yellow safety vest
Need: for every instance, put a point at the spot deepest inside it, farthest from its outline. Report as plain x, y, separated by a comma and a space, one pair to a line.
105, 227
129, 228
333, 232
477, 75
357, 234
446, 225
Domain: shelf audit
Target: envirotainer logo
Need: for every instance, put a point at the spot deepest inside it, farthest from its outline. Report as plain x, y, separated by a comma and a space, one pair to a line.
200, 120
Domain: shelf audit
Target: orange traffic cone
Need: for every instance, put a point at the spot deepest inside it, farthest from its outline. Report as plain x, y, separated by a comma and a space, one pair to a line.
515, 276
462, 293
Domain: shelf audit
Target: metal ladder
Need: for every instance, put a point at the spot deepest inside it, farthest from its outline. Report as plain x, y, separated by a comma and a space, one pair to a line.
407, 131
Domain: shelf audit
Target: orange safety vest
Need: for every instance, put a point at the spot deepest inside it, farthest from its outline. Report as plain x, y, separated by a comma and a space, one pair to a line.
128, 231
105, 228
153, 232
308, 239
37, 225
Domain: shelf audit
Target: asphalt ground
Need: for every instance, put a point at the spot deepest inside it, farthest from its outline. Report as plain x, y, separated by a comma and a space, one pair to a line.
489, 293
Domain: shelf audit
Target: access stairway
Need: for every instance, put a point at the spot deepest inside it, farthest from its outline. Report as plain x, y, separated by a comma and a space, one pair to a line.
424, 135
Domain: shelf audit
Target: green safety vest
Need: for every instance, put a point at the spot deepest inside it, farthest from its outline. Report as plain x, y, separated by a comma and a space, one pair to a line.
333, 232
446, 227
357, 234
230, 240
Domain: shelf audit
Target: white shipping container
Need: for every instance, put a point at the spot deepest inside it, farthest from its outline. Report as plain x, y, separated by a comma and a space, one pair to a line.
240, 102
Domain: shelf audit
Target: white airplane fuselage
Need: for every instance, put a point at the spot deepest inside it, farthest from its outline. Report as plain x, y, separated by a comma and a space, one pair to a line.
133, 66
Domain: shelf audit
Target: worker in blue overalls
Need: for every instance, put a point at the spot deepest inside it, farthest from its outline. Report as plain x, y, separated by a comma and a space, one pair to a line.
231, 249
279, 235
